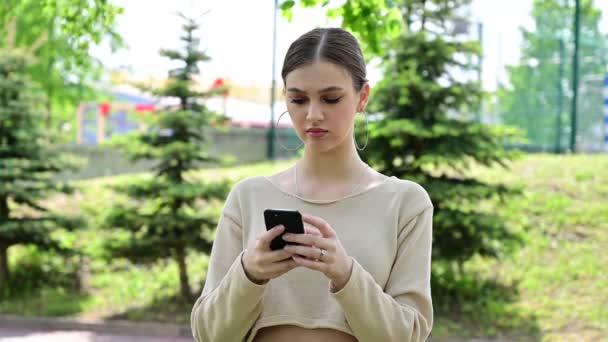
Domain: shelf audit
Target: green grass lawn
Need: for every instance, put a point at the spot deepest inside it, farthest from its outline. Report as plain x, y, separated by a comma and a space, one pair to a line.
559, 273
558, 291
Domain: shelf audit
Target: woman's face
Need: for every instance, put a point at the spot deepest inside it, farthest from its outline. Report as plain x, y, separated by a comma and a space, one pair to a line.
322, 104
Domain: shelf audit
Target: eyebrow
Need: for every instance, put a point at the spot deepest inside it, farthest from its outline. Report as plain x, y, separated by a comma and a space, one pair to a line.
324, 90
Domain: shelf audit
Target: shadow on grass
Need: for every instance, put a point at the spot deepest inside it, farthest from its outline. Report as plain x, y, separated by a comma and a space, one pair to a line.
470, 307
44, 301
173, 309
43, 289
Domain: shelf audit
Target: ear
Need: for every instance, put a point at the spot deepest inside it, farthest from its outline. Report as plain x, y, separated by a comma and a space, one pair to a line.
363, 97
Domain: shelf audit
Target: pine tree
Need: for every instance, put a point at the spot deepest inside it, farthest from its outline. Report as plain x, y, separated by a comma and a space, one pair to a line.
425, 131
168, 214
28, 164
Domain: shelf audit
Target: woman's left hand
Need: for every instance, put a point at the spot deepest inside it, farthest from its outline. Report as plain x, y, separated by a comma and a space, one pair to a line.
323, 253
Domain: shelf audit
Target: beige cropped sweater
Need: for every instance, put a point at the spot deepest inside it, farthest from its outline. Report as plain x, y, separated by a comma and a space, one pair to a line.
386, 229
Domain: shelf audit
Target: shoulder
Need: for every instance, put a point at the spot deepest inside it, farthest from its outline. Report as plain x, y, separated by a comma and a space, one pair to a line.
412, 192
248, 184
241, 191
411, 198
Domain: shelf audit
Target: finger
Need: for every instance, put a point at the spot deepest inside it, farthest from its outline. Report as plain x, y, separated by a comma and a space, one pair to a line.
309, 240
268, 236
312, 264
324, 227
308, 229
309, 252
279, 268
278, 255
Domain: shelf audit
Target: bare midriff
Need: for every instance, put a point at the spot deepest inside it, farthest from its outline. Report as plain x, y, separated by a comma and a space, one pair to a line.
292, 333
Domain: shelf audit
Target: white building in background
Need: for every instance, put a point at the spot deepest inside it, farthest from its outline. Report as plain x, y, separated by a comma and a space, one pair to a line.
245, 113
98, 121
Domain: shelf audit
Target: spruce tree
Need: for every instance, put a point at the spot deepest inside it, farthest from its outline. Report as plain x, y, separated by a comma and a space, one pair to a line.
168, 214
426, 131
28, 164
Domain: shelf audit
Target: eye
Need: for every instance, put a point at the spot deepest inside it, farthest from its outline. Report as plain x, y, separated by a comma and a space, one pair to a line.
333, 100
298, 101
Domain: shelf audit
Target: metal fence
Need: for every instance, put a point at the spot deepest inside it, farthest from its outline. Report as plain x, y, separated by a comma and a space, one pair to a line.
244, 145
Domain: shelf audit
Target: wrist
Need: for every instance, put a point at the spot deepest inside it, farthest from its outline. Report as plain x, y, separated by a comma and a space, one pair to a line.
251, 277
341, 281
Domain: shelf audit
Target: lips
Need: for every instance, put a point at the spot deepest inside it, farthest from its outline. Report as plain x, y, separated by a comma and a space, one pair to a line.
316, 130
316, 133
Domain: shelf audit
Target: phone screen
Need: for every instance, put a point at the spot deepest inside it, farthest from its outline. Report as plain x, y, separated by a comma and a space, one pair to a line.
291, 219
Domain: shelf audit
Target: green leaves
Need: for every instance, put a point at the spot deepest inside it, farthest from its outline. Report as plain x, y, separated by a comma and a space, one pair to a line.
65, 68
374, 22
532, 99
287, 5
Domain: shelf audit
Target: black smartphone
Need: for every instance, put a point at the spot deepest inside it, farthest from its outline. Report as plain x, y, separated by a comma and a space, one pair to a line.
291, 219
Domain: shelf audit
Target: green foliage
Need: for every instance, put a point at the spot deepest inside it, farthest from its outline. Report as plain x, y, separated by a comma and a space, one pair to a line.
27, 166
170, 214
36, 269
531, 99
558, 274
66, 70
424, 132
372, 21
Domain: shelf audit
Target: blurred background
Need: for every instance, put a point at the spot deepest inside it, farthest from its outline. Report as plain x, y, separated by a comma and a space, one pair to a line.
124, 124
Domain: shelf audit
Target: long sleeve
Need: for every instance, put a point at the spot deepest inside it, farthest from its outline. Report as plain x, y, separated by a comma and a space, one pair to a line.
230, 303
403, 311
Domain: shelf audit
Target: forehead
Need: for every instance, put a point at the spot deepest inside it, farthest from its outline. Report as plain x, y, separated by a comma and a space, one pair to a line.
318, 75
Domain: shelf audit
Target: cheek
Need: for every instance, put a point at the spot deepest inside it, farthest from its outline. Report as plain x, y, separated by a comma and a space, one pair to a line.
344, 115
297, 116
298, 120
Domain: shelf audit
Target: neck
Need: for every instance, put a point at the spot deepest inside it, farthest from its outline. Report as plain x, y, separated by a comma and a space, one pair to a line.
339, 165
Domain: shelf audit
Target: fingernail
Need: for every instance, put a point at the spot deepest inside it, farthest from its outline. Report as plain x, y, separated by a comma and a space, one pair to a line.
280, 227
287, 235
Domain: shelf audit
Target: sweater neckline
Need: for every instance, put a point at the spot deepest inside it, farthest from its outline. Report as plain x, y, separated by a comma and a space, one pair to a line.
328, 201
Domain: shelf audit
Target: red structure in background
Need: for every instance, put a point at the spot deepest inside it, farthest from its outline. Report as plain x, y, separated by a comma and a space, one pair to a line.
97, 121
105, 108
142, 108
219, 83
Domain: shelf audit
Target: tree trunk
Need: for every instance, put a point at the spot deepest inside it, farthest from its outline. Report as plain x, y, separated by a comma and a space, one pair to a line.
180, 258
50, 90
4, 272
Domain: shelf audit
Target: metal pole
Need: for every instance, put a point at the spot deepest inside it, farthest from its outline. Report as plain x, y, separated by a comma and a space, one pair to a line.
560, 97
605, 125
479, 69
271, 133
573, 115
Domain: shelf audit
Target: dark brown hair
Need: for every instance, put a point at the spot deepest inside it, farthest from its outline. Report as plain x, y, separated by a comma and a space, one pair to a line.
333, 45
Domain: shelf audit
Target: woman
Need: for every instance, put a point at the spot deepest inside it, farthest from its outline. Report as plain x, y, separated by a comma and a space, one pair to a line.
361, 271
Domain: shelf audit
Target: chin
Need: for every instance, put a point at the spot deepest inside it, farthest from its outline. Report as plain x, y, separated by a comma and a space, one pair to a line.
322, 146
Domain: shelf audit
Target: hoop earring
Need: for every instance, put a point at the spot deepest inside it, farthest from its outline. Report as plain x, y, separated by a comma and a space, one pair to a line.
276, 133
366, 134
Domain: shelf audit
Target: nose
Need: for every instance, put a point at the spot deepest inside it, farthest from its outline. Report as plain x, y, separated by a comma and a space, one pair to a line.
314, 112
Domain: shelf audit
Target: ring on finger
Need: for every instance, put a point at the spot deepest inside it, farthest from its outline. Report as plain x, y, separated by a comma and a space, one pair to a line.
321, 254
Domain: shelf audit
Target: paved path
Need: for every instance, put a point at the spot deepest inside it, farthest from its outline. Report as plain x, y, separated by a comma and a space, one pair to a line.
23, 335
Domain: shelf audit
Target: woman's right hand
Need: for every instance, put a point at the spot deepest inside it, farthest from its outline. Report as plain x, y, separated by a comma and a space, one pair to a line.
262, 264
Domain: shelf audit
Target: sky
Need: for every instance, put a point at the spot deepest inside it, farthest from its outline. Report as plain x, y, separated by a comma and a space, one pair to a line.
237, 35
